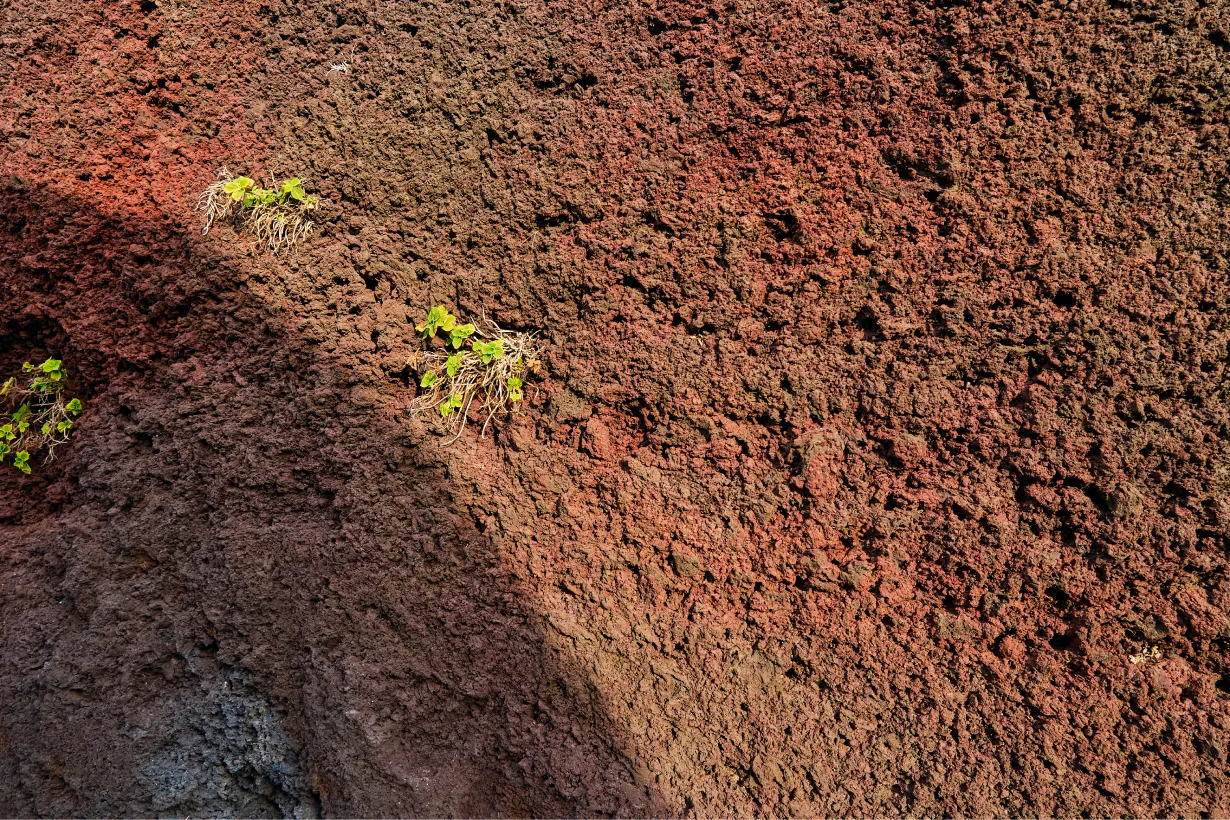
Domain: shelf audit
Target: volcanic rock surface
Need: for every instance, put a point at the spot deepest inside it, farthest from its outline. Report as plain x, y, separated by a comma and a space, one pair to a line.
879, 465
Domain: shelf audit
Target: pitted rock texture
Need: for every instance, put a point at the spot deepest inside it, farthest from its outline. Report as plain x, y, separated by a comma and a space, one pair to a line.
879, 464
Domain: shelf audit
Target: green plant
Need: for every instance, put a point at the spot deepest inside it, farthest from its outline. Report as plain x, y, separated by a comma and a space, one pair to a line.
278, 215
438, 318
464, 364
43, 417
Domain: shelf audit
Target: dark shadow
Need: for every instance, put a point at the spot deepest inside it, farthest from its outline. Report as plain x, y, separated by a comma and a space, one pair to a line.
244, 587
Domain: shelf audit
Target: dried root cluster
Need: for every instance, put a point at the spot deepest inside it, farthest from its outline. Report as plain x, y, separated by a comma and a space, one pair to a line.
280, 215
478, 370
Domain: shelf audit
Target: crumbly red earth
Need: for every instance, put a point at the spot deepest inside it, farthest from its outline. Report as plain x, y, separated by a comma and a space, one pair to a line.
879, 464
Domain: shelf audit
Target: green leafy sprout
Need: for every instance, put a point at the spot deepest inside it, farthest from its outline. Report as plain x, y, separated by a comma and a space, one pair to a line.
464, 365
279, 214
438, 318
43, 416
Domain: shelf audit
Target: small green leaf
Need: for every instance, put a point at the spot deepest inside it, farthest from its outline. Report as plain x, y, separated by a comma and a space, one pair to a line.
514, 388
459, 334
453, 363
22, 461
429, 378
237, 188
73, 406
489, 351
259, 196
21, 413
452, 403
23, 426
293, 189
64, 426
4, 450
435, 317
50, 366
7, 386
27, 367
46, 428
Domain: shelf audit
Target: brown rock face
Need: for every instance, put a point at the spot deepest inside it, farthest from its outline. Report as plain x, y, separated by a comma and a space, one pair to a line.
878, 464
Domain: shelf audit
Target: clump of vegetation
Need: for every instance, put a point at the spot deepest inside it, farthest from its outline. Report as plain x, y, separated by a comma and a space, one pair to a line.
280, 214
464, 365
43, 417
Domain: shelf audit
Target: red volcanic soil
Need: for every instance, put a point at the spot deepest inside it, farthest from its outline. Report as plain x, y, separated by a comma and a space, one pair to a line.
880, 463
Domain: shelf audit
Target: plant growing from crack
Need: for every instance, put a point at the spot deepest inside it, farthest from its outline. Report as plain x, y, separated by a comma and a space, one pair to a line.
280, 215
464, 365
43, 415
